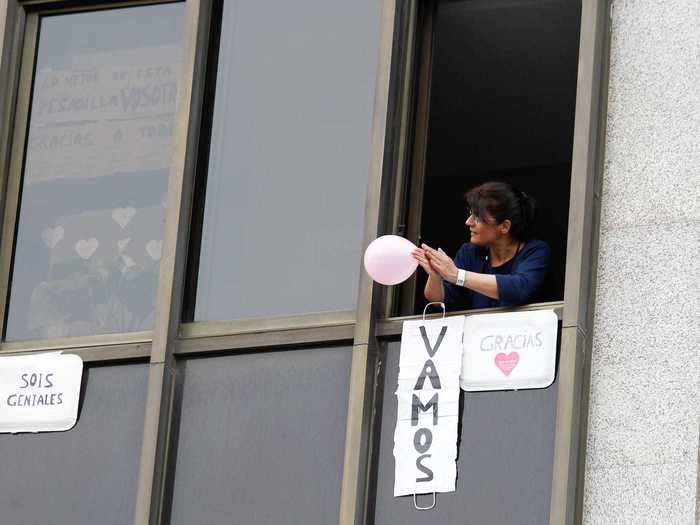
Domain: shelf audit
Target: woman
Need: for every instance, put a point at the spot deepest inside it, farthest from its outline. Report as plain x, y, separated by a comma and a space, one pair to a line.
501, 265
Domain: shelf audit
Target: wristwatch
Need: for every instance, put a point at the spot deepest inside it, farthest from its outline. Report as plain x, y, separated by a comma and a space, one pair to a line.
461, 277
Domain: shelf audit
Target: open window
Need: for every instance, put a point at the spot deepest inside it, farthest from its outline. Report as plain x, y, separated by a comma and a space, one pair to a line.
494, 100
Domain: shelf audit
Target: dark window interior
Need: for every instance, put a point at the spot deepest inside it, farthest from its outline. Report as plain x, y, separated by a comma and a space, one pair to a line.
501, 107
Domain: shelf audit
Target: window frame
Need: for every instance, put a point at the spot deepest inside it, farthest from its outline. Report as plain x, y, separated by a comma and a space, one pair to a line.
370, 324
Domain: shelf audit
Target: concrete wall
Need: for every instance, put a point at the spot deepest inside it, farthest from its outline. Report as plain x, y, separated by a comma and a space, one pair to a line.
642, 464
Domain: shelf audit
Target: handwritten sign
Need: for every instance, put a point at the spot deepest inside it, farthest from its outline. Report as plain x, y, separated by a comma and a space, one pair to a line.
425, 439
509, 351
106, 113
39, 393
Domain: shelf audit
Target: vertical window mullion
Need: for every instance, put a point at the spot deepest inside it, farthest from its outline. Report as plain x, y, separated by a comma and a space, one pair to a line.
13, 24
161, 382
12, 181
581, 261
404, 296
357, 442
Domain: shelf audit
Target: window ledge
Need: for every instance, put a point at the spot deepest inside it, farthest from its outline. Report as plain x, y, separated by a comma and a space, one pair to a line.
393, 325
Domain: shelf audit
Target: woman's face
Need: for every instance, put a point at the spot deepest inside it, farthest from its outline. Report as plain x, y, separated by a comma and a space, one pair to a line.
486, 232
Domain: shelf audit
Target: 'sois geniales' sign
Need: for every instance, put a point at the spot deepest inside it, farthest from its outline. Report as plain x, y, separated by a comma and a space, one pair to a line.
425, 440
509, 351
40, 392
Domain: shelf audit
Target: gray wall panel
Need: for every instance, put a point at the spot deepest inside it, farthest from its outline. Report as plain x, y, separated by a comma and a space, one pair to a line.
504, 465
88, 474
643, 425
261, 438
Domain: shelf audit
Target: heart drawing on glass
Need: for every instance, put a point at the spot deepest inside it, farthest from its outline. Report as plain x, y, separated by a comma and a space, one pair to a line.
52, 236
85, 248
122, 216
154, 249
506, 362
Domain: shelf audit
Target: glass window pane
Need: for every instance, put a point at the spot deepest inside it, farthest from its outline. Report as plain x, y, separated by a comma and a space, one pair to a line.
96, 171
89, 473
504, 461
289, 158
262, 437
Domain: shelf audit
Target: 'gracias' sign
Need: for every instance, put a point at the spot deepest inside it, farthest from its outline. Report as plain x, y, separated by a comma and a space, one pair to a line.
509, 351
39, 393
425, 440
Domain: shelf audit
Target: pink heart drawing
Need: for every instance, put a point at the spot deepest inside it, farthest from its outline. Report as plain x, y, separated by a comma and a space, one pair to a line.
506, 362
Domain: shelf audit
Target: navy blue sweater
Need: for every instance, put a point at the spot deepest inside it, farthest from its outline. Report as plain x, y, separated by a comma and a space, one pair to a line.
518, 280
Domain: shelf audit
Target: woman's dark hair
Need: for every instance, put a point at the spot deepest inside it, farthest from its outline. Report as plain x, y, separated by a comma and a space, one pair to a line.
502, 201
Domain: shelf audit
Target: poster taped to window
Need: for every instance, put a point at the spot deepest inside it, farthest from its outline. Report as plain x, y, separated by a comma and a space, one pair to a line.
509, 351
425, 439
39, 392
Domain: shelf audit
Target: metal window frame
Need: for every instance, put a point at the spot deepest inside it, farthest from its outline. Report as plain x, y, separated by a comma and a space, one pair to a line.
171, 340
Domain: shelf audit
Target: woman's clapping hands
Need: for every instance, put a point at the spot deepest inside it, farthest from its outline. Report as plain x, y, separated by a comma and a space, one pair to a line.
436, 262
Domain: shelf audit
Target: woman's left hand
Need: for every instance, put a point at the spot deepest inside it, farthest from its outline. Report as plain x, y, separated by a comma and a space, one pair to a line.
442, 263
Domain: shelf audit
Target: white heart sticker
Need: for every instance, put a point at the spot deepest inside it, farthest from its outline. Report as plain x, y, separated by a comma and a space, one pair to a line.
52, 236
154, 249
122, 216
86, 248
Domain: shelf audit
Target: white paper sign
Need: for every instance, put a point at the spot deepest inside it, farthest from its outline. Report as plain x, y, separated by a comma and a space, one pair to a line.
425, 439
39, 393
509, 351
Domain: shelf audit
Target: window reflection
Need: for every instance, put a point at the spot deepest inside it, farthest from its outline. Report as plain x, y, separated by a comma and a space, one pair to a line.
289, 158
95, 177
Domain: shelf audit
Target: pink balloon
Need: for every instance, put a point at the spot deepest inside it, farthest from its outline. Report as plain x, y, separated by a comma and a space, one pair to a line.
388, 259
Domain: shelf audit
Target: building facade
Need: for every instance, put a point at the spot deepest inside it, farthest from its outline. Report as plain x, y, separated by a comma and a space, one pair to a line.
187, 190
642, 454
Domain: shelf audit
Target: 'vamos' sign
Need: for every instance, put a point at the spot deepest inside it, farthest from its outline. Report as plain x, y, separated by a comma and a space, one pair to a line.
425, 440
